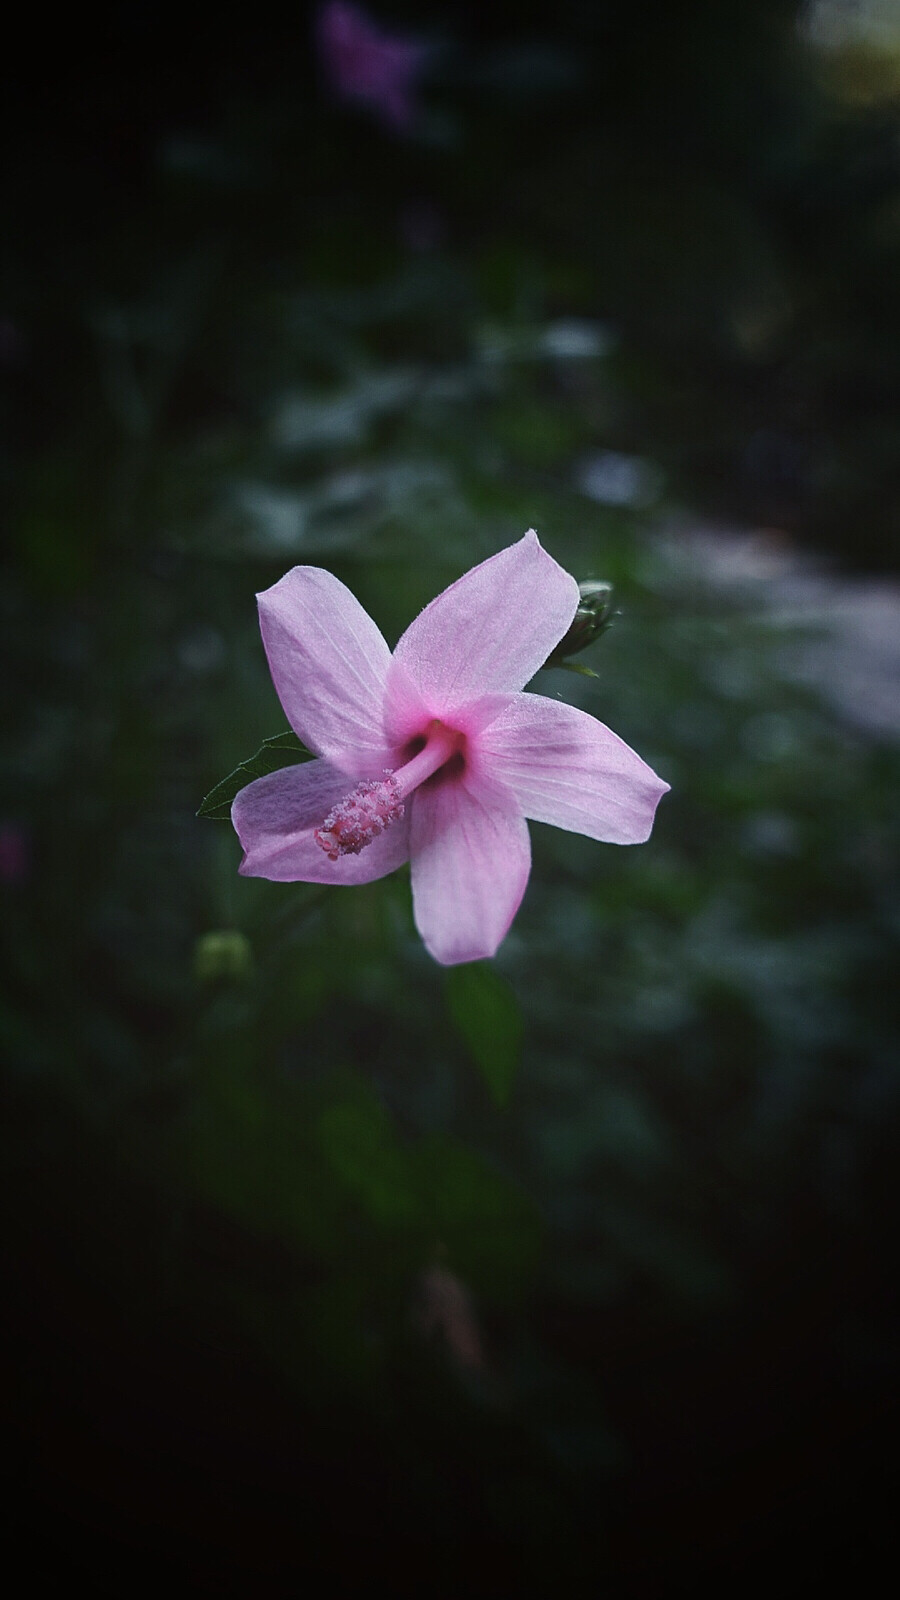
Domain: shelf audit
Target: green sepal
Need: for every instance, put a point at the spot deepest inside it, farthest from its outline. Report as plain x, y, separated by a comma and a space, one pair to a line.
282, 750
577, 666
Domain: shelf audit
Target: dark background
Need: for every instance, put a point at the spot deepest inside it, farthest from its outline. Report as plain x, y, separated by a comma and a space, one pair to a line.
572, 1268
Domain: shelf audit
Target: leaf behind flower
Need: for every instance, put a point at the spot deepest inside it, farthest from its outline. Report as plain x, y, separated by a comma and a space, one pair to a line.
281, 750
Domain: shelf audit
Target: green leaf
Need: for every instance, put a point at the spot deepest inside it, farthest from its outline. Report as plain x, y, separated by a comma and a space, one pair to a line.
486, 1013
282, 750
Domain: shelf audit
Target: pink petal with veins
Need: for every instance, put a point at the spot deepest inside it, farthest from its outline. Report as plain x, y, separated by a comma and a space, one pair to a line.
566, 768
276, 818
491, 630
329, 665
470, 863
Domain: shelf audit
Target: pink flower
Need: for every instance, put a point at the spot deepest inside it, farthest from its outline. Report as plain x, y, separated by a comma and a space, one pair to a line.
434, 755
365, 64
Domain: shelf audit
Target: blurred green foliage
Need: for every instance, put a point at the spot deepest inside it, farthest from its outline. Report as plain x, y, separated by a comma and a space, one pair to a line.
561, 1259
485, 1011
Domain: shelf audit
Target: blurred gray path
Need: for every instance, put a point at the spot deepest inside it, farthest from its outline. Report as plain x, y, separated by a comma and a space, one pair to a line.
842, 633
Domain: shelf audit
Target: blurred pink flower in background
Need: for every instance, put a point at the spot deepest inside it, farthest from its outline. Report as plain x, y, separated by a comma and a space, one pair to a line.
15, 856
363, 63
445, 1312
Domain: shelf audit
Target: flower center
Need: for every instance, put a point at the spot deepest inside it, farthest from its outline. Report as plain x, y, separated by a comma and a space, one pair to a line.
372, 806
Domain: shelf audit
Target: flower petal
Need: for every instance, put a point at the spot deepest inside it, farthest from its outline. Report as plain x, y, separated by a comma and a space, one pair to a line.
329, 664
490, 631
470, 863
566, 768
275, 818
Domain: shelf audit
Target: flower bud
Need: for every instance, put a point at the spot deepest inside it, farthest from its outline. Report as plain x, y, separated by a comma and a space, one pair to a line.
593, 616
224, 956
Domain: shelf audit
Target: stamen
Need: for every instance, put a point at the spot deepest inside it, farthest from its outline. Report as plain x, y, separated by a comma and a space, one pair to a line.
361, 817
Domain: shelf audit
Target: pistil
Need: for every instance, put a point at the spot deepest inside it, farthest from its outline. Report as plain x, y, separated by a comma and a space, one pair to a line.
372, 806
441, 744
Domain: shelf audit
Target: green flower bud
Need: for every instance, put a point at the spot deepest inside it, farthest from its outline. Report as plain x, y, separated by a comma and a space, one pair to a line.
593, 616
224, 956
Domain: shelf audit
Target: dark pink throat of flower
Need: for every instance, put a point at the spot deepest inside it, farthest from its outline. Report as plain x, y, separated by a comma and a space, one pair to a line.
372, 806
